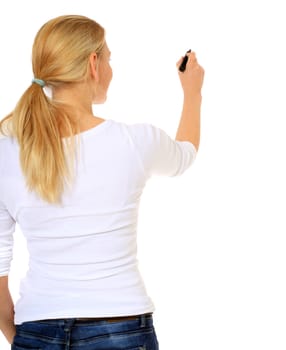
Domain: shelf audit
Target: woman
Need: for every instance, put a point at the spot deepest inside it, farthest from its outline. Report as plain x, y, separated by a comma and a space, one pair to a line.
77, 202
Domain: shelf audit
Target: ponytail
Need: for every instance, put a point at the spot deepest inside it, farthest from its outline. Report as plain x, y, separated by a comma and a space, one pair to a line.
36, 123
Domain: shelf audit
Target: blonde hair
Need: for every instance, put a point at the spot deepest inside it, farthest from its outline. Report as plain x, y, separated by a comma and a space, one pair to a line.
60, 55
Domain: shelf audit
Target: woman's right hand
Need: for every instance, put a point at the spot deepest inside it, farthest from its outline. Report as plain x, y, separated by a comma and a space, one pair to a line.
193, 76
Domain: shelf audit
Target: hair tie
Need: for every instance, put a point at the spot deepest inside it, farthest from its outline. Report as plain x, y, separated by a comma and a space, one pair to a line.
39, 82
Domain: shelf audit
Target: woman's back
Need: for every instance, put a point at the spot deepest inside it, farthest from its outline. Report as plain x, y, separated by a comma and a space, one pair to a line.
83, 252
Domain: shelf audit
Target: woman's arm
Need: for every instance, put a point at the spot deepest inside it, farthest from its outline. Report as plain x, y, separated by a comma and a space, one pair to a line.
7, 325
192, 81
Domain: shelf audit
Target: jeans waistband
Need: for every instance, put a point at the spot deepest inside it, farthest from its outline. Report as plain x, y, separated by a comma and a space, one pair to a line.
69, 322
111, 319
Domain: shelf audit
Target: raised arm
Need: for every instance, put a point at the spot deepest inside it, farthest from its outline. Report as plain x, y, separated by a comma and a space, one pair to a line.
191, 81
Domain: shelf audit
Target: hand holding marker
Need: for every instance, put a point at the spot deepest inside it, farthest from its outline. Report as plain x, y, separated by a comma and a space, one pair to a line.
191, 74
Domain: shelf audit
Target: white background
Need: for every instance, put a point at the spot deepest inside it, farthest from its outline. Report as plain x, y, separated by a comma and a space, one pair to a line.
212, 241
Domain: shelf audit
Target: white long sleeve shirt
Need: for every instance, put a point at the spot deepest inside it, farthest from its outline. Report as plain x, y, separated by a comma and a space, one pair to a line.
82, 254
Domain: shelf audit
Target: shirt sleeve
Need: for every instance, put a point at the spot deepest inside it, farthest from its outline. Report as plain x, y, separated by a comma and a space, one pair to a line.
7, 228
162, 155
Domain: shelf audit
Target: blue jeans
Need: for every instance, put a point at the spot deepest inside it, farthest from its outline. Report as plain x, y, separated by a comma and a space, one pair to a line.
73, 334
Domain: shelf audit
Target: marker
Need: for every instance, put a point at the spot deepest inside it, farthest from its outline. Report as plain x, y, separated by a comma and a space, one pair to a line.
184, 63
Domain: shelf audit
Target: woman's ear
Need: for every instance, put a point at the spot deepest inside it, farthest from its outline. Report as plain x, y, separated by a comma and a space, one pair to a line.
93, 66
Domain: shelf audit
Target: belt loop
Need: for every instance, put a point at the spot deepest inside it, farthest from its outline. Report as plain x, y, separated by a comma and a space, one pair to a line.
69, 322
143, 321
